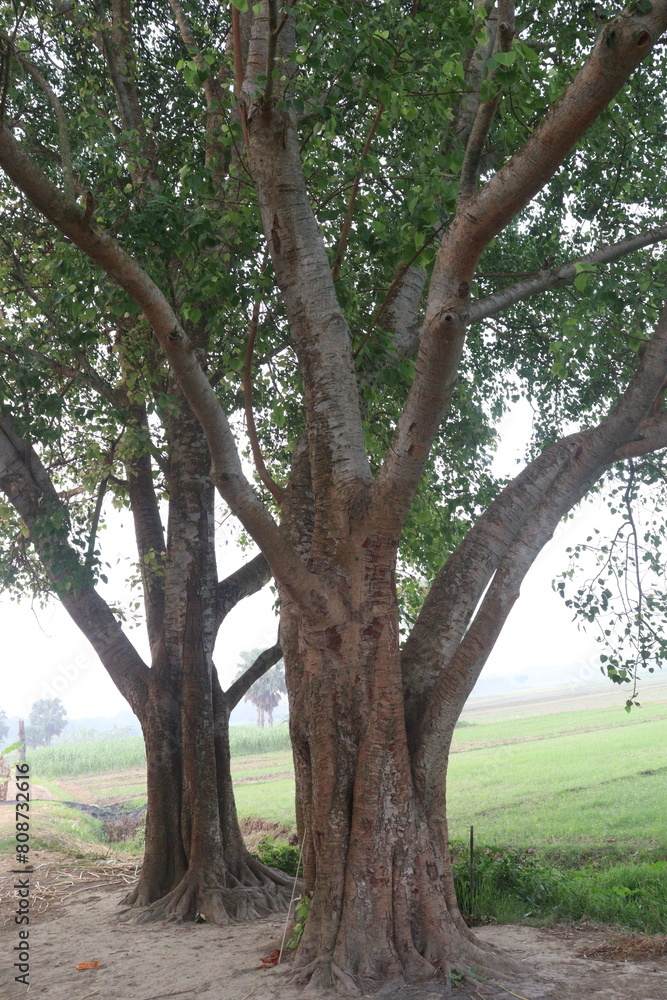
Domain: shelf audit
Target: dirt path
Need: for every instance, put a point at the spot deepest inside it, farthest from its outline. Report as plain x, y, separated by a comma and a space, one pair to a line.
201, 962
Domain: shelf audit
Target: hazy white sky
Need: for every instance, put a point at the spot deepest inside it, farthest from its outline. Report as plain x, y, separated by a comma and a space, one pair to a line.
45, 655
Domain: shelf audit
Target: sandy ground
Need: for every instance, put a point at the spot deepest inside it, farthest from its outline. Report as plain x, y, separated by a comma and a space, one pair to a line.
76, 915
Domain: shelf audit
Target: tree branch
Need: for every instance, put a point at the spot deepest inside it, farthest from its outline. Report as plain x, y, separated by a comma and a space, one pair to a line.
69, 183
28, 487
262, 664
486, 112
148, 531
303, 274
621, 46
586, 456
558, 277
83, 374
272, 486
212, 88
104, 250
349, 215
243, 582
474, 62
95, 523
651, 436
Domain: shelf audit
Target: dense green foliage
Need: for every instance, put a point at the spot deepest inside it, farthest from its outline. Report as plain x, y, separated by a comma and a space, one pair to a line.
383, 75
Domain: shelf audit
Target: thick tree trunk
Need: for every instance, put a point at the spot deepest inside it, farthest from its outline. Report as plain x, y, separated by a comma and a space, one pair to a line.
376, 865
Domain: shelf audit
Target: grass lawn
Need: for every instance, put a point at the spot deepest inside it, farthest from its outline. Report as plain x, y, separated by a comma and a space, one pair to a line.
524, 775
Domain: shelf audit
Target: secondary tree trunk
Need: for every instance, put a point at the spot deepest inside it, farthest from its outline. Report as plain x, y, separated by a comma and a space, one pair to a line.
195, 859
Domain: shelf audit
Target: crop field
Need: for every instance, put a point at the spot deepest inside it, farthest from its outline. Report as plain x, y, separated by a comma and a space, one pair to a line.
526, 773
118, 753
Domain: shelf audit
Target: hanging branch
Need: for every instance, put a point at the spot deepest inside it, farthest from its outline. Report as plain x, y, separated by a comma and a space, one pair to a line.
345, 232
486, 112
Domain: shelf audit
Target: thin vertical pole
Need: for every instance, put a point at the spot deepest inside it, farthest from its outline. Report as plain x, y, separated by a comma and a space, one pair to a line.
22, 740
472, 870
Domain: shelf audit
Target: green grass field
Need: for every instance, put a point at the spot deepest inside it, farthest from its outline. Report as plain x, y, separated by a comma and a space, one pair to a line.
523, 772
125, 752
567, 795
577, 778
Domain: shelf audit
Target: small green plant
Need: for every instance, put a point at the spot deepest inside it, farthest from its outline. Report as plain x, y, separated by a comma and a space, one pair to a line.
301, 915
457, 977
279, 855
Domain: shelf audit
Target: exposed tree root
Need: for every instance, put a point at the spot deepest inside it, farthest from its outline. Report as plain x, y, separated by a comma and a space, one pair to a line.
220, 900
476, 960
345, 983
305, 974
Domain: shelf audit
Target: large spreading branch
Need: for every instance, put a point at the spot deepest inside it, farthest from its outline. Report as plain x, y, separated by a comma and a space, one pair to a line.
28, 487
105, 251
549, 279
622, 45
317, 325
627, 425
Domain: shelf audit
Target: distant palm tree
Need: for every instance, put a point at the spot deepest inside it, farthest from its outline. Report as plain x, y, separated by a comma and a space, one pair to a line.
265, 694
47, 719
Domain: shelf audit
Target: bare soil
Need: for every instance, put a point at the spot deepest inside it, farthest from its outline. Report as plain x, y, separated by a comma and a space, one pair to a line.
76, 917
